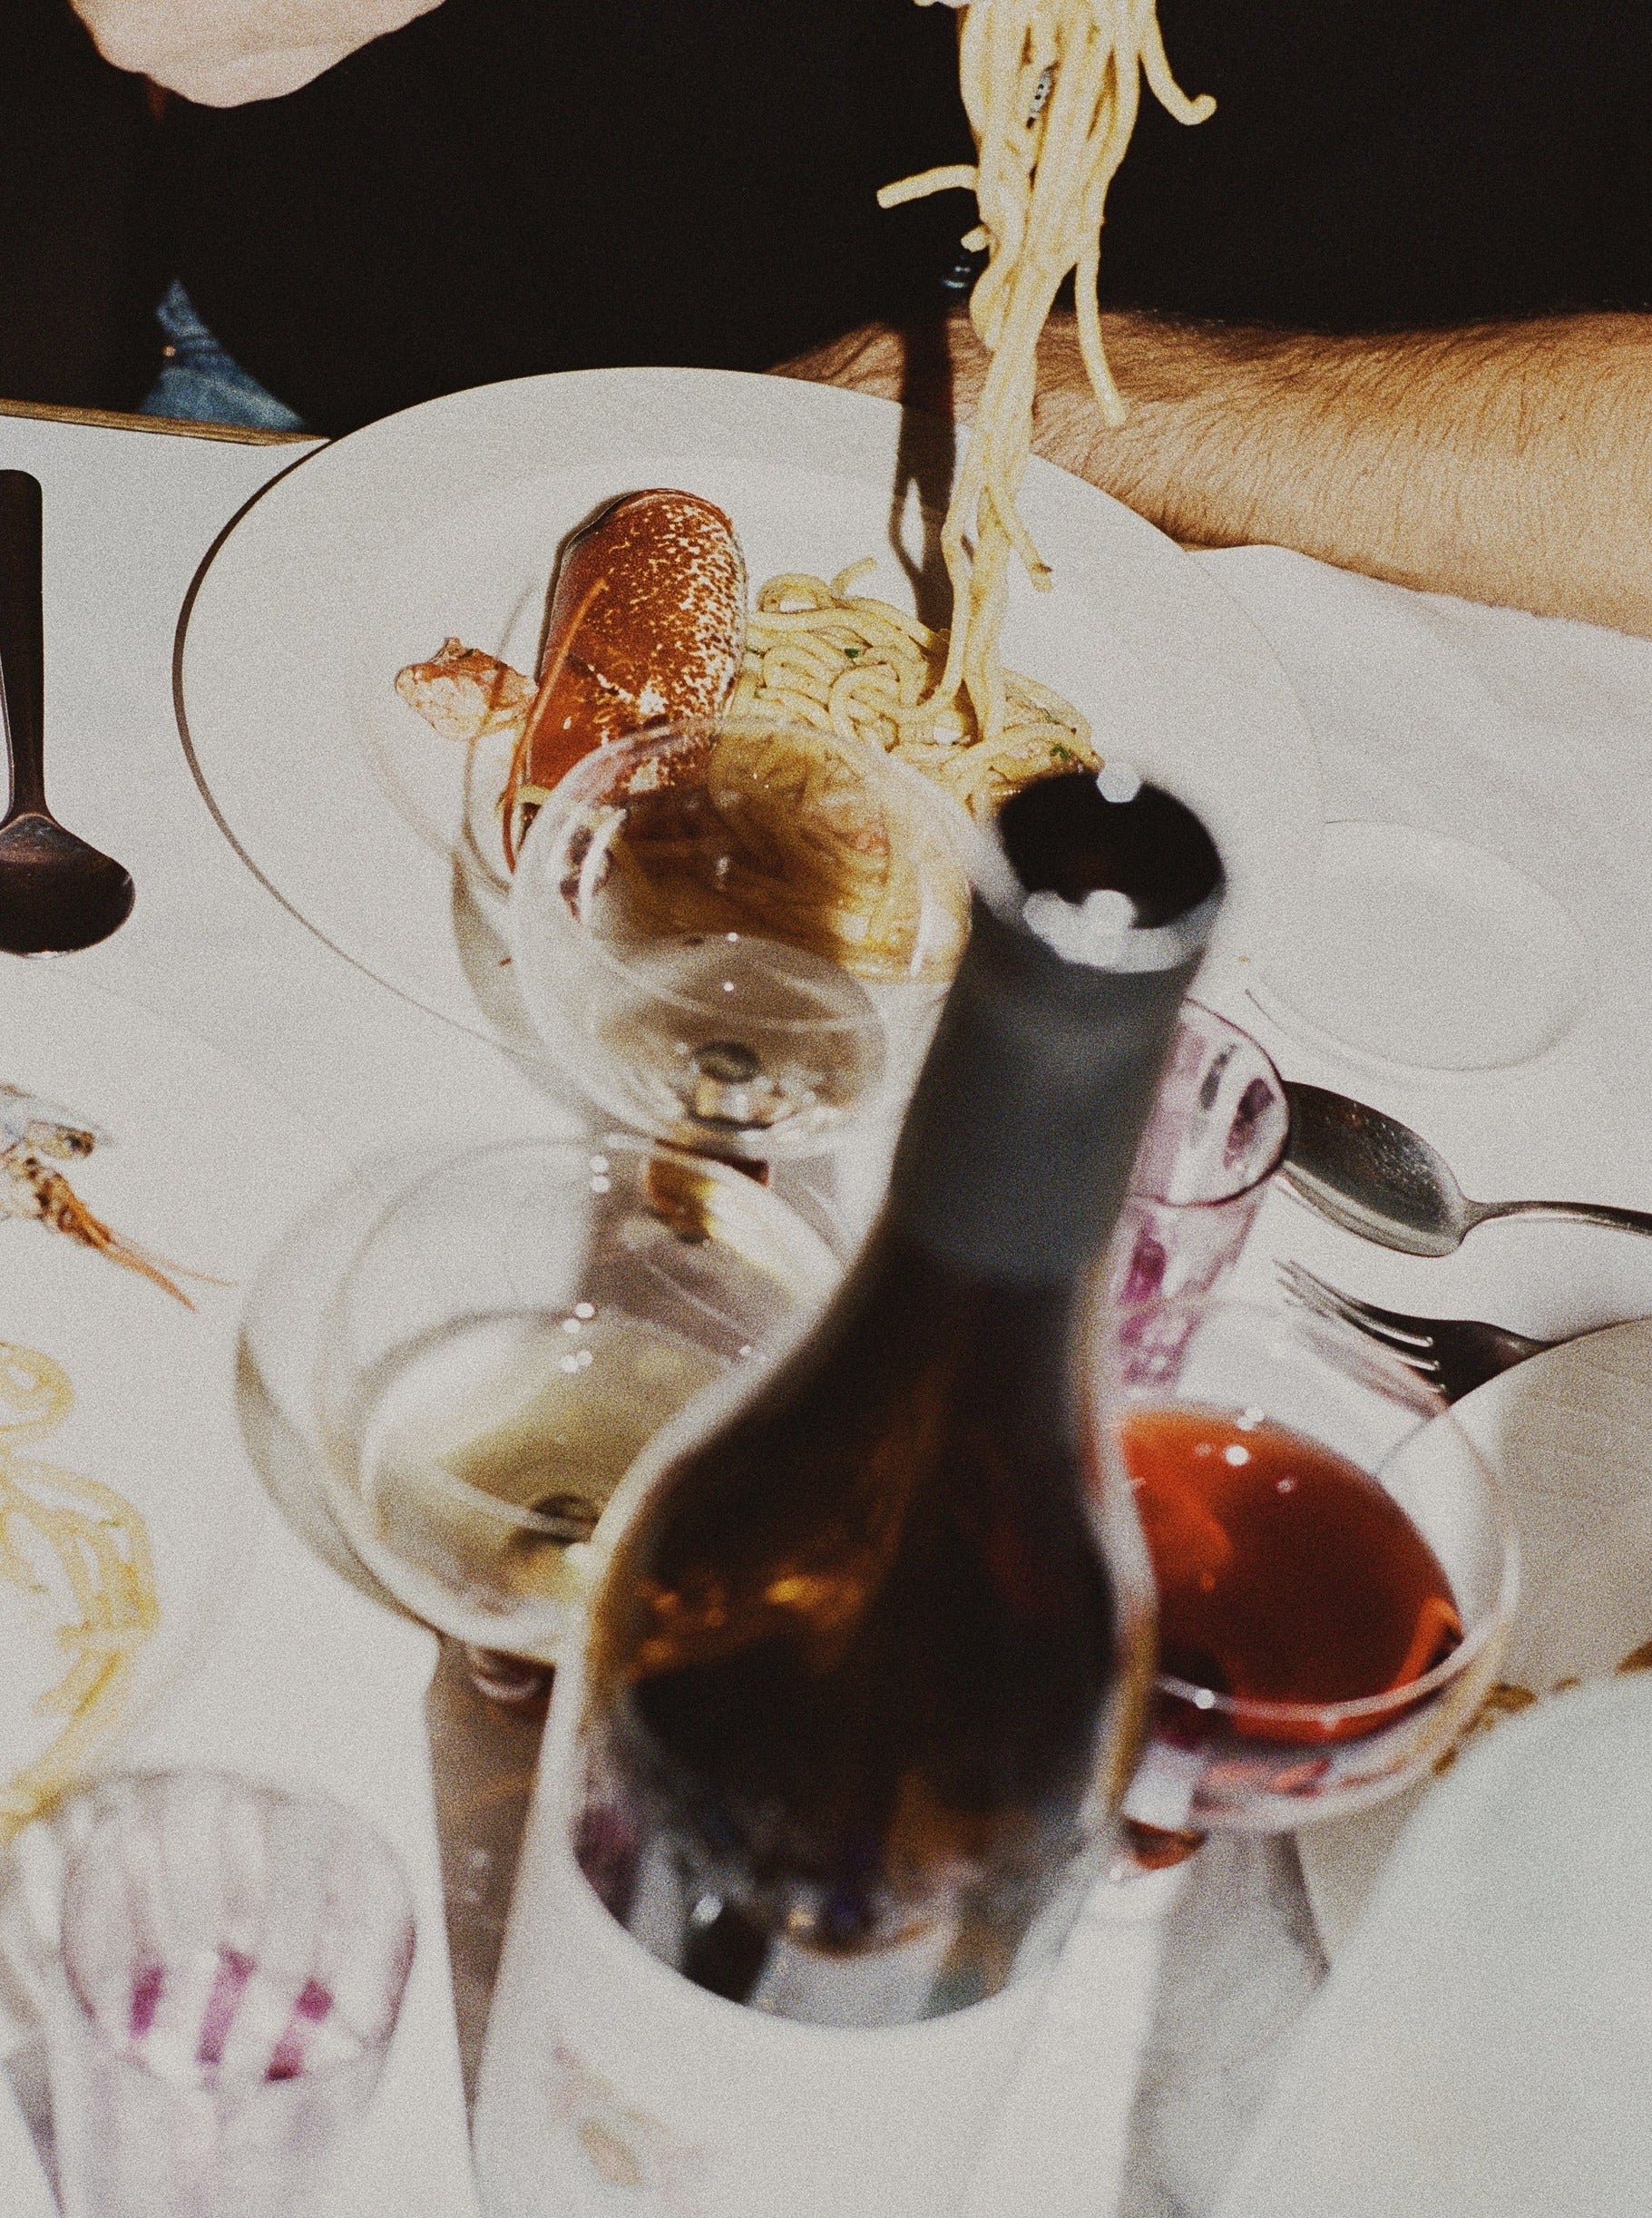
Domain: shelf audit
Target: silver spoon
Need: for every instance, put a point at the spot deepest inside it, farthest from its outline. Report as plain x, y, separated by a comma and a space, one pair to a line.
56, 892
1372, 1175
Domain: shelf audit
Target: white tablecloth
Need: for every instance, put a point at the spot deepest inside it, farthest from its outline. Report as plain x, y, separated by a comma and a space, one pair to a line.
1530, 738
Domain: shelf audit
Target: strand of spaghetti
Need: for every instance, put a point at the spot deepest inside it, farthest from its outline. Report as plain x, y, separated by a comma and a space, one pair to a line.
862, 670
881, 613
1051, 89
877, 616
97, 1544
956, 174
843, 583
1156, 68
792, 658
802, 705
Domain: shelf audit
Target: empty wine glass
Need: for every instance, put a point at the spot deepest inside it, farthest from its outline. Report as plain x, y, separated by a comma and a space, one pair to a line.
512, 1332
738, 937
1335, 1569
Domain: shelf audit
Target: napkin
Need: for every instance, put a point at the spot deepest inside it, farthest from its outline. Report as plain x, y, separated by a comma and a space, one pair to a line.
1483, 2045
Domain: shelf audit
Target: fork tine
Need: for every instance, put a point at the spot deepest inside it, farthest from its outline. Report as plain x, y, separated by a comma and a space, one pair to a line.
1387, 1324
1323, 1301
1425, 1366
1311, 1293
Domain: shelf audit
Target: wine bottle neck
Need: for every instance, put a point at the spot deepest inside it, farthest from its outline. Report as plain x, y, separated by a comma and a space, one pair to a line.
1015, 1159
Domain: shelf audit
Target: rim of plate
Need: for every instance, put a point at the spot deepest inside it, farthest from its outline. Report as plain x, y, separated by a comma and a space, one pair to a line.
63, 1015
275, 736
1343, 1861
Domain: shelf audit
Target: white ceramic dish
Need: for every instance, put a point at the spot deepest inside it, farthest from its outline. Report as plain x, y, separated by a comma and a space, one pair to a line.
446, 520
1568, 1435
1425, 952
199, 1164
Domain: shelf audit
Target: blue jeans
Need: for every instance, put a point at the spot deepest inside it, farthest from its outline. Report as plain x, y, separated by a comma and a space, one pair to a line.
200, 384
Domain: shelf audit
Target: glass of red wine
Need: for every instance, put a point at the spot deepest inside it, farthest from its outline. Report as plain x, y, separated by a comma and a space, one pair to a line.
1335, 1568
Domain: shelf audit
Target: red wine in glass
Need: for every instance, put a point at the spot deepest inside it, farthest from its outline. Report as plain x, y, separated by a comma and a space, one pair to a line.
1286, 1574
1335, 1572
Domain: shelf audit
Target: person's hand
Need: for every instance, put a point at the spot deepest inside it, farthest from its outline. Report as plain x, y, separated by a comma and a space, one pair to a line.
224, 53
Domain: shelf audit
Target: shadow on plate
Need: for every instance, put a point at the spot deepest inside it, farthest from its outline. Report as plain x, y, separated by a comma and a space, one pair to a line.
926, 461
484, 953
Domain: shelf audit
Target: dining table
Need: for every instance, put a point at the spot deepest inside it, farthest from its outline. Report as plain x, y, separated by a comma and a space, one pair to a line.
1471, 955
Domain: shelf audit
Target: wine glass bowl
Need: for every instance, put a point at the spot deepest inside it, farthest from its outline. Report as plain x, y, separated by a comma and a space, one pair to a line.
1217, 1137
1335, 1571
512, 1332
737, 937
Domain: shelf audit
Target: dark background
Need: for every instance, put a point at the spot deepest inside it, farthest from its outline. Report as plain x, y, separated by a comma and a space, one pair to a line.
79, 264
508, 186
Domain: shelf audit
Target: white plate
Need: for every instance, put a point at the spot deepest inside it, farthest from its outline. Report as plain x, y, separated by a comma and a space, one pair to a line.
197, 1164
1363, 972
447, 519
1569, 1436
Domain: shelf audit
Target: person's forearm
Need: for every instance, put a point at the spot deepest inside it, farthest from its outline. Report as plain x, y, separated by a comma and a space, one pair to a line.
224, 53
1507, 463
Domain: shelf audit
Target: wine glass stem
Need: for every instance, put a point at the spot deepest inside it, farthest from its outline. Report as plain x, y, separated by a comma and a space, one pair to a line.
512, 1680
1151, 1848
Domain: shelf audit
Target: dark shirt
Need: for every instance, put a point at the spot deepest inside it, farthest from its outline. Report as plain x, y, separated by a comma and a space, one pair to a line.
78, 274
508, 186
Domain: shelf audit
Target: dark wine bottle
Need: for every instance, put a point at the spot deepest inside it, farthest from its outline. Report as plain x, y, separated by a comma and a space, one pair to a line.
862, 1680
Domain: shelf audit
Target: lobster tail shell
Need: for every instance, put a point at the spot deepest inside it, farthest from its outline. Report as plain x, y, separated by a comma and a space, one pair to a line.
647, 622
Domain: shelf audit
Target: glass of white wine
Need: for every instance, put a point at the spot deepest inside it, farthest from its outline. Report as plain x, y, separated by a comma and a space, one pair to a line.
738, 937
512, 1332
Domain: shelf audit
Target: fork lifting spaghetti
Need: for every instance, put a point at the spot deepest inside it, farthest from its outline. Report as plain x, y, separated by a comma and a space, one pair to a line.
1051, 89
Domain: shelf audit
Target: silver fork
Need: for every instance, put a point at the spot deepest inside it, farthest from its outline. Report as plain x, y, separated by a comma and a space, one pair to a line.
1454, 1354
